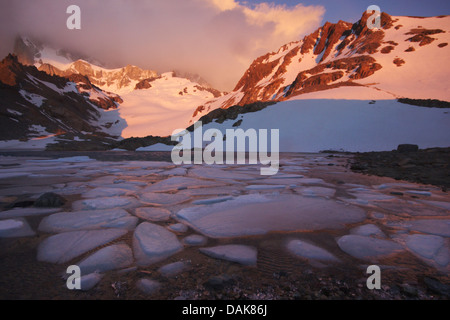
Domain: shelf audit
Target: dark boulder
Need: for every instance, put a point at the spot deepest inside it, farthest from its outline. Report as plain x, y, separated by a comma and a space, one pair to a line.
50, 200
407, 148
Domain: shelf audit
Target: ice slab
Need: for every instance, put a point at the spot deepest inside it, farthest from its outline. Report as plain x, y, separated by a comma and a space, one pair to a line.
147, 164
175, 172
12, 228
309, 181
130, 186
195, 240
367, 248
153, 243
317, 192
219, 174
88, 220
11, 175
89, 281
106, 192
396, 185
265, 186
212, 200
402, 208
173, 269
432, 249
148, 286
440, 204
26, 212
105, 203
67, 159
179, 183
307, 250
419, 193
163, 199
64, 247
153, 213
109, 258
258, 214
178, 228
218, 191
372, 196
368, 230
242, 254
424, 245
440, 227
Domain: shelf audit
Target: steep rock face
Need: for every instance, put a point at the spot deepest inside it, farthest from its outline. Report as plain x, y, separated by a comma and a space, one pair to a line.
331, 38
116, 80
388, 59
332, 56
35, 104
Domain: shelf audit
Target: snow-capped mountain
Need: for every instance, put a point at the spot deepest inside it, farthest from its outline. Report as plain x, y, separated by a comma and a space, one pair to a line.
37, 108
407, 57
346, 66
63, 63
162, 105
151, 104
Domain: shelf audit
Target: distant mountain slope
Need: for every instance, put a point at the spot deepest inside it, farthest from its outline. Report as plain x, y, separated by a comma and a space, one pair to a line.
162, 105
37, 106
153, 104
407, 57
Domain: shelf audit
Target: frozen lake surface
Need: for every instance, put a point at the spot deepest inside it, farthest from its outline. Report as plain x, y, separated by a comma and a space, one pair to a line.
126, 215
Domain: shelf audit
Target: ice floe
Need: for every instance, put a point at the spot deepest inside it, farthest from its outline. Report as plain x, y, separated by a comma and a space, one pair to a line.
26, 212
419, 193
368, 230
148, 286
429, 247
173, 269
175, 172
317, 192
307, 250
89, 281
439, 227
264, 187
219, 174
153, 213
439, 204
11, 175
87, 220
153, 243
67, 159
109, 258
106, 192
410, 208
258, 214
178, 228
13, 228
242, 254
212, 200
368, 248
195, 240
63, 247
179, 183
106, 203
163, 199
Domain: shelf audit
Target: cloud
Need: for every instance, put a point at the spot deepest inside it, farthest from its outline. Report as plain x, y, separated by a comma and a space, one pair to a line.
217, 39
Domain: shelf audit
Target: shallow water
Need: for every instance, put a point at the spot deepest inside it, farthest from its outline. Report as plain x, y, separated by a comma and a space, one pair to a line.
244, 203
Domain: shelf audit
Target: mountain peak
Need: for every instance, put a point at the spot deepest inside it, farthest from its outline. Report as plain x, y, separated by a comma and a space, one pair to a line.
385, 60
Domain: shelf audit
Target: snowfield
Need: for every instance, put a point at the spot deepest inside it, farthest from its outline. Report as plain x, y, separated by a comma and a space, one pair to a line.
348, 125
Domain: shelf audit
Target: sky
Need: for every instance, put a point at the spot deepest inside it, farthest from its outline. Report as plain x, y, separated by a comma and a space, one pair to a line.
217, 39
